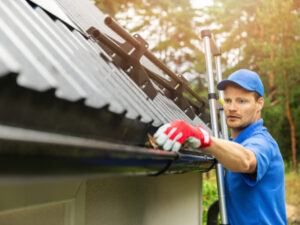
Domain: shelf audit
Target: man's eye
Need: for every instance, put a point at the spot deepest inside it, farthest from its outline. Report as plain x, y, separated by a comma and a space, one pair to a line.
242, 101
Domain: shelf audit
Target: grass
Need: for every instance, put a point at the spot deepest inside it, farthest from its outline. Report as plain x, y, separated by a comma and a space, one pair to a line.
292, 188
210, 194
292, 194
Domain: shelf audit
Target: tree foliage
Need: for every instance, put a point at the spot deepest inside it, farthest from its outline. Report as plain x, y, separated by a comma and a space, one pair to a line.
264, 36
261, 35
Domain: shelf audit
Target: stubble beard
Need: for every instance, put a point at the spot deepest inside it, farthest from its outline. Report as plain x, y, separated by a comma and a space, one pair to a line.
241, 127
238, 129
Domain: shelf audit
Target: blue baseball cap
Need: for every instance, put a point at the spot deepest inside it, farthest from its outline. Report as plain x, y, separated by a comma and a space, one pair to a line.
247, 79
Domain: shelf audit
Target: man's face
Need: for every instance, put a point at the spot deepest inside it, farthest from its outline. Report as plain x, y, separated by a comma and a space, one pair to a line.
241, 108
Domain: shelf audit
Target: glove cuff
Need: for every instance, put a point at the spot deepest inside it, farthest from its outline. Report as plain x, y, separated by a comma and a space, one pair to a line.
204, 136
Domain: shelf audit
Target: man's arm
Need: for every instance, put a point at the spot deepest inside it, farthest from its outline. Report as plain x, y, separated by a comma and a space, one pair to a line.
232, 156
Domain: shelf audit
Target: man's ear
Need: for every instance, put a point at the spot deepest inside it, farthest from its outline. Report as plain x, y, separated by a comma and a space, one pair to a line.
261, 102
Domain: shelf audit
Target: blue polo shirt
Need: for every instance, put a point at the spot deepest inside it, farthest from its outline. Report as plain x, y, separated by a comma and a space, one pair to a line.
259, 200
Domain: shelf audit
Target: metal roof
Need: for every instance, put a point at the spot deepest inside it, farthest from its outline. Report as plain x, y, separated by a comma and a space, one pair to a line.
51, 55
55, 78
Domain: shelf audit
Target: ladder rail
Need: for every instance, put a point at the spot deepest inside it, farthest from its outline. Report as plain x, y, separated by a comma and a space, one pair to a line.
208, 42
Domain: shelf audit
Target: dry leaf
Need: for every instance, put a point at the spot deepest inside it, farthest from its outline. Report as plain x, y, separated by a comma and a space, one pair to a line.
151, 143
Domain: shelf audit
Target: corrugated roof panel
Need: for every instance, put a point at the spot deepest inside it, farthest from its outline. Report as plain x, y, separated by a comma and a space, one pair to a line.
87, 15
65, 37
4, 69
160, 110
115, 75
69, 65
169, 108
177, 114
46, 46
22, 53
197, 121
95, 74
52, 7
51, 55
59, 58
148, 105
123, 89
84, 14
159, 105
8, 64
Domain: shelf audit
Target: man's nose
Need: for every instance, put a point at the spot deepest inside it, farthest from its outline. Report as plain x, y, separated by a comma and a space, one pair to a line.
231, 106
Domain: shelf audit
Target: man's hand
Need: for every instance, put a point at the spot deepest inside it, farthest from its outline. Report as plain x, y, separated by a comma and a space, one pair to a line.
172, 135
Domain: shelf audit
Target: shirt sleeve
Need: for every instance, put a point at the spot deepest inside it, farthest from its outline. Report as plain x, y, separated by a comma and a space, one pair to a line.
263, 150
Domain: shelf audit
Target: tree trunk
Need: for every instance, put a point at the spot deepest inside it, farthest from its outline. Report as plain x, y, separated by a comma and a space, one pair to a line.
272, 56
287, 92
271, 74
291, 122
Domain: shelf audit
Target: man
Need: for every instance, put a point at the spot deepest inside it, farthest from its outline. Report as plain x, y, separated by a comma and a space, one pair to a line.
254, 179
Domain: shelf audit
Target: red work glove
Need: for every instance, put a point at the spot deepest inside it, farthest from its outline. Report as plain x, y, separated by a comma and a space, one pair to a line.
172, 135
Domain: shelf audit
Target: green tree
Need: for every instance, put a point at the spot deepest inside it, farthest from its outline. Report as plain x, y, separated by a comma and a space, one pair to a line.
281, 61
264, 36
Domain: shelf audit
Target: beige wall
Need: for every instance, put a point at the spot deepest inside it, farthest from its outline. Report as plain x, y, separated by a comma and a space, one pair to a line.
50, 214
167, 199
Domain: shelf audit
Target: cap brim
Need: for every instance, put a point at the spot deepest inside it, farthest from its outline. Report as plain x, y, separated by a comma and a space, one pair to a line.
222, 85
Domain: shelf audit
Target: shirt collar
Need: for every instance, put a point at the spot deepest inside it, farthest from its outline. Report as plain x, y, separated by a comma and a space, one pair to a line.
248, 131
